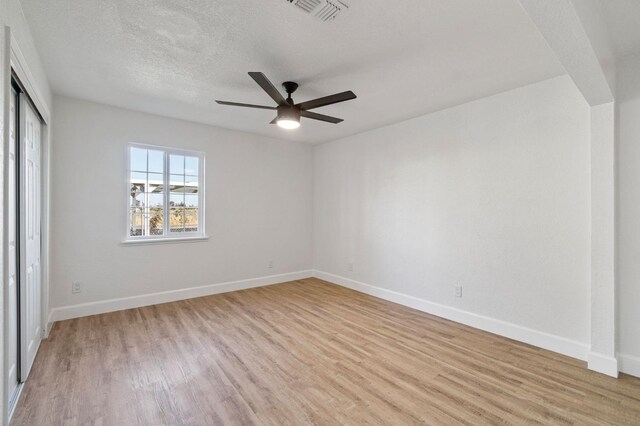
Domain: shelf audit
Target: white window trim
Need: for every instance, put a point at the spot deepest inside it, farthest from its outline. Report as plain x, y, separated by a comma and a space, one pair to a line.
142, 241
200, 235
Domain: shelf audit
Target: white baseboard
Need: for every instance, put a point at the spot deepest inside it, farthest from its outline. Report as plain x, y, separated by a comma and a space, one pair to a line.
603, 364
629, 364
608, 365
14, 402
49, 324
537, 338
111, 305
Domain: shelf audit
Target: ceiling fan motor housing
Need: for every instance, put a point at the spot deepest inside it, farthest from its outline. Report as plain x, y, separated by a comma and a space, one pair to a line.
288, 112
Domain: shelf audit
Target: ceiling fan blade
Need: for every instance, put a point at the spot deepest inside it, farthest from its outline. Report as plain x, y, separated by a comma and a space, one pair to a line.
327, 100
245, 105
314, 116
268, 87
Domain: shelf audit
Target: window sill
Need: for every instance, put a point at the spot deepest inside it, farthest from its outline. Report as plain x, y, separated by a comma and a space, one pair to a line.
175, 240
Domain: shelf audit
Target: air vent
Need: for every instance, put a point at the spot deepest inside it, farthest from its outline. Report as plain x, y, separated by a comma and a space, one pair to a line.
324, 10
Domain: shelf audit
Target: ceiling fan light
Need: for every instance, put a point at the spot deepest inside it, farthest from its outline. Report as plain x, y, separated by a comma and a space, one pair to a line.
288, 123
288, 117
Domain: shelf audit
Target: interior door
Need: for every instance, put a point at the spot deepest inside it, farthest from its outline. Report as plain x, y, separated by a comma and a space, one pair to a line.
12, 350
30, 271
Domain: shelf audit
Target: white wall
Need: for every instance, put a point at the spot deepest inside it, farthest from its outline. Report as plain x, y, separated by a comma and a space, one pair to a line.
628, 232
258, 206
493, 194
591, 16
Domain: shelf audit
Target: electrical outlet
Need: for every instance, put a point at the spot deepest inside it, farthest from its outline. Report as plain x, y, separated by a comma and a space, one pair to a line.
458, 291
350, 266
270, 264
76, 287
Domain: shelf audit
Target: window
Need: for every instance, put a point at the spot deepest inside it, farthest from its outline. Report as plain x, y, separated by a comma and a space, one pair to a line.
165, 193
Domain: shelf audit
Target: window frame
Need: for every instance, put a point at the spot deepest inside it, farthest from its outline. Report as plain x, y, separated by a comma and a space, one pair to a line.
167, 235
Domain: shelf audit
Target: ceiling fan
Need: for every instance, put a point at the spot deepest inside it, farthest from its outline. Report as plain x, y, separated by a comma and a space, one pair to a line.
289, 113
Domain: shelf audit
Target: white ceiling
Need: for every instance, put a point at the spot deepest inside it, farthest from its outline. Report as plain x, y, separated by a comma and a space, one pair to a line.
623, 21
175, 57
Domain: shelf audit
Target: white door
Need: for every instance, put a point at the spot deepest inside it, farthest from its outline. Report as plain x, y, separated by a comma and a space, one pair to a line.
30, 272
12, 350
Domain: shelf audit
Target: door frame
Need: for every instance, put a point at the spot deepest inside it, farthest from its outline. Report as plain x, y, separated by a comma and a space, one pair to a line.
11, 397
16, 65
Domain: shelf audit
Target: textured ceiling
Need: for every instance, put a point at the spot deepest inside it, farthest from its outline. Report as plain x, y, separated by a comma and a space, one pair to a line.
623, 21
175, 57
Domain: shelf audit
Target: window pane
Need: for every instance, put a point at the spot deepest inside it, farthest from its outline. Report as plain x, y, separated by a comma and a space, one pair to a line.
156, 182
137, 199
191, 200
176, 199
176, 219
176, 183
155, 200
176, 164
191, 166
140, 177
136, 190
138, 159
191, 184
156, 221
138, 181
191, 219
156, 161
135, 220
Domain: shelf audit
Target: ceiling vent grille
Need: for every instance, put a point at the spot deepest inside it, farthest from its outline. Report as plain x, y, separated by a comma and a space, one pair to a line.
325, 10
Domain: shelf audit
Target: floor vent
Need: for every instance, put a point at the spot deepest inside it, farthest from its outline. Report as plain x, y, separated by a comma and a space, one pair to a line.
325, 10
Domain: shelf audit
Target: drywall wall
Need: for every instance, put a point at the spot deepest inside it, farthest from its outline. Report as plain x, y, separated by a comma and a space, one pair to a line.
492, 195
258, 206
592, 18
576, 31
628, 214
572, 28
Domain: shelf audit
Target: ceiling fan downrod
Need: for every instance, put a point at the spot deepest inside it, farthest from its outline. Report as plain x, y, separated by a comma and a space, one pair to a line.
290, 87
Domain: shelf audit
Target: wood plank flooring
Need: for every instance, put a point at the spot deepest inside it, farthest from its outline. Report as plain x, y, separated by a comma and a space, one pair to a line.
306, 352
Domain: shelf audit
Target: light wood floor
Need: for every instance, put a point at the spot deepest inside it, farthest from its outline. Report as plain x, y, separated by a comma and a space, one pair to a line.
306, 352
